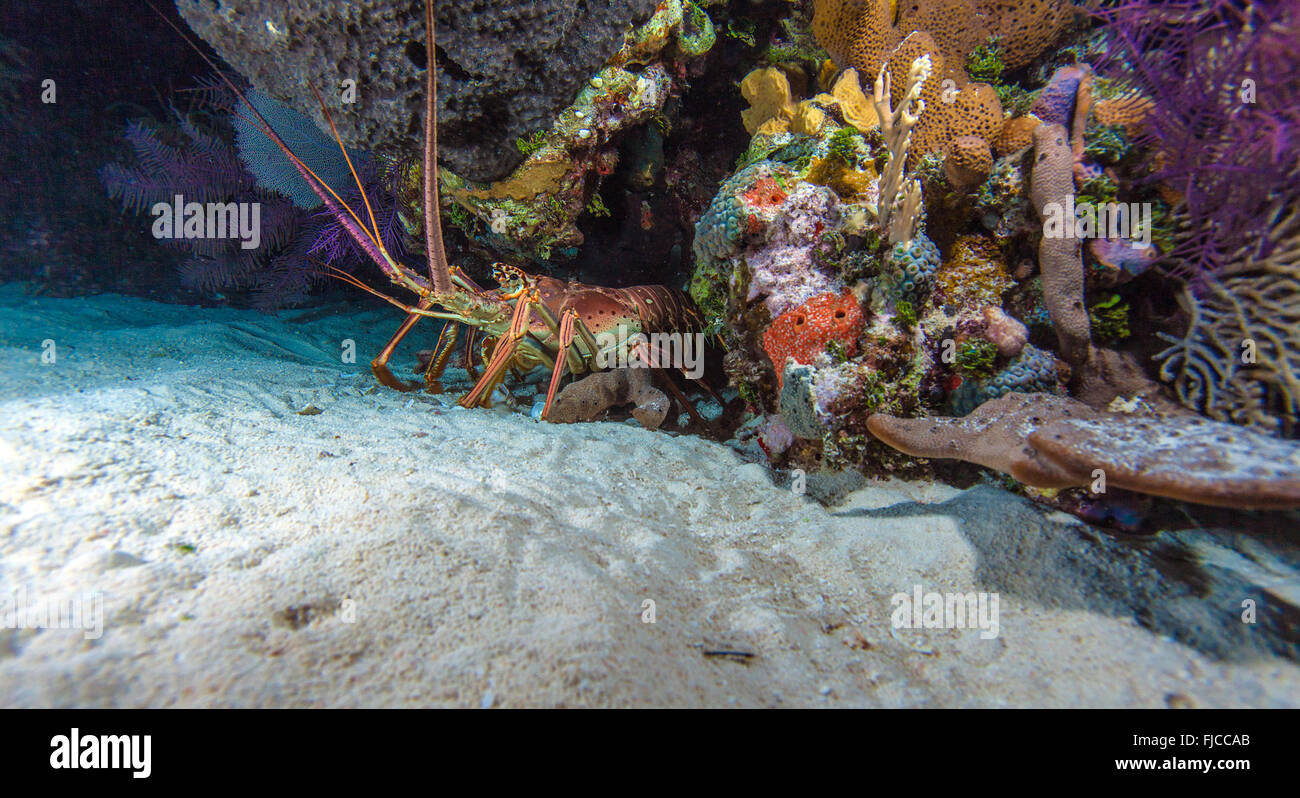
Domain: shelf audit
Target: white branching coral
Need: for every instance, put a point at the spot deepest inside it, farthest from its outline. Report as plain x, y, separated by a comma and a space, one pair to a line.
899, 204
1240, 358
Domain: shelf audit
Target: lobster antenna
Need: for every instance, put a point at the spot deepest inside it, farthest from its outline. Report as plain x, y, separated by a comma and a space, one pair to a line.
435, 253
370, 242
374, 226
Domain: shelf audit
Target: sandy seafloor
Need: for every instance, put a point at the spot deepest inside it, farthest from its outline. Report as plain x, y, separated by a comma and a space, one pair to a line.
394, 551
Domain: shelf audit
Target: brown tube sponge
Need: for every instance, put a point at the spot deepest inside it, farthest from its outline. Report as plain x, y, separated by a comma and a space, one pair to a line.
995, 436
1056, 442
1060, 258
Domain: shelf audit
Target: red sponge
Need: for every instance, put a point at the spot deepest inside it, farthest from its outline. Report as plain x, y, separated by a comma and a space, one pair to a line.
803, 332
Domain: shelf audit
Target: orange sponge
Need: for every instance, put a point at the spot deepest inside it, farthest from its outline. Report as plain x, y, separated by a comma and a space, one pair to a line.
803, 332
862, 33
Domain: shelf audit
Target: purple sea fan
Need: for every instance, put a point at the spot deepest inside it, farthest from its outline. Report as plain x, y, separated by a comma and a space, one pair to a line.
333, 244
1225, 125
204, 167
204, 170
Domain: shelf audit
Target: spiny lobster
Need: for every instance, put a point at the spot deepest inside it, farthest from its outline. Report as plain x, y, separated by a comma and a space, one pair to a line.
532, 320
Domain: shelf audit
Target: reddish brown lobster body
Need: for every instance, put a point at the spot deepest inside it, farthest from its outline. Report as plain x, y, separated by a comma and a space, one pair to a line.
527, 321
532, 322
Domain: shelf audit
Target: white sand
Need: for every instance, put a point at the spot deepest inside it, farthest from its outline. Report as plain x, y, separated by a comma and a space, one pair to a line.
393, 551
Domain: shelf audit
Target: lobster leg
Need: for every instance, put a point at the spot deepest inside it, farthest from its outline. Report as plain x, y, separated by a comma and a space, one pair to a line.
469, 354
574, 356
379, 366
503, 355
561, 360
681, 398
441, 354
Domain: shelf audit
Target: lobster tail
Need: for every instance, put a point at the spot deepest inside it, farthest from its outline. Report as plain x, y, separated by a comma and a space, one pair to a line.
663, 309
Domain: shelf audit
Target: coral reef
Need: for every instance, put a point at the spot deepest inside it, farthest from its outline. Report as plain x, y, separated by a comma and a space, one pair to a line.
928, 330
1001, 204
910, 269
758, 219
898, 267
917, 215
896, 273
1031, 371
973, 275
778, 272
505, 68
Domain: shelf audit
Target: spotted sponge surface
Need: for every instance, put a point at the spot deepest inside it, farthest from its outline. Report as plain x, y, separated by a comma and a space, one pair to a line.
864, 35
954, 107
506, 66
861, 33
804, 332
854, 32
